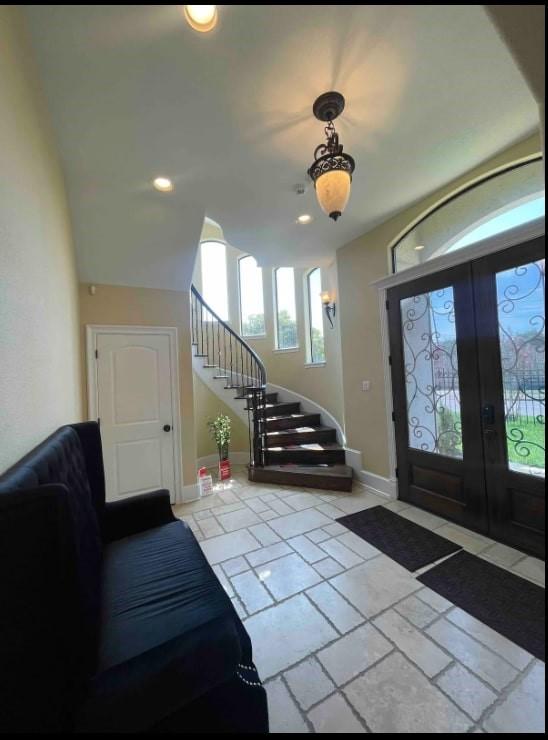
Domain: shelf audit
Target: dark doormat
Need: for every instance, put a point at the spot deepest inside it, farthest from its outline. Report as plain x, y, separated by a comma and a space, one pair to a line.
503, 601
407, 543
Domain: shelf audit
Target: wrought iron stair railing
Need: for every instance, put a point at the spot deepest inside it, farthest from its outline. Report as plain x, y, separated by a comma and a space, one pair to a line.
234, 362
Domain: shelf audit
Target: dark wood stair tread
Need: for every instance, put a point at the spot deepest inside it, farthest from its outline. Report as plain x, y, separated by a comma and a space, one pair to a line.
310, 432
327, 477
308, 447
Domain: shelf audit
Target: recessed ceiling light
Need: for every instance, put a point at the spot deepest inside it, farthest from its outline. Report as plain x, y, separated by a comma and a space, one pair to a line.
163, 184
419, 247
201, 18
305, 218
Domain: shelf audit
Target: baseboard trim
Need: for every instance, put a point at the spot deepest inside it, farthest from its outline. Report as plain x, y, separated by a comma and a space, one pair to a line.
189, 493
387, 487
211, 461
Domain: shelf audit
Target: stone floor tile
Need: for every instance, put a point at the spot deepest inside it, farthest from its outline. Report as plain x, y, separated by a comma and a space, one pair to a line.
412, 643
284, 717
277, 550
287, 576
353, 653
523, 710
485, 664
251, 592
299, 523
238, 519
235, 566
339, 612
499, 644
416, 611
342, 554
306, 549
395, 697
466, 690
287, 633
309, 683
328, 567
228, 546
334, 716
375, 585
264, 534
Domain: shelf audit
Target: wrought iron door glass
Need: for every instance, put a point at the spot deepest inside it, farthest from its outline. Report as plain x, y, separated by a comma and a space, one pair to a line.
431, 372
521, 319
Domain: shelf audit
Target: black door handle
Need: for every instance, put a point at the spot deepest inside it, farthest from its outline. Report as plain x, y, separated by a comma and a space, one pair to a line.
488, 414
167, 428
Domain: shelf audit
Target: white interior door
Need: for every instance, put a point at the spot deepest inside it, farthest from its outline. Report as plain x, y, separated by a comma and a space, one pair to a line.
135, 407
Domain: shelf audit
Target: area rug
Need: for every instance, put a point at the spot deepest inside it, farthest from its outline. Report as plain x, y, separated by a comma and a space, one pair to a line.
407, 543
511, 605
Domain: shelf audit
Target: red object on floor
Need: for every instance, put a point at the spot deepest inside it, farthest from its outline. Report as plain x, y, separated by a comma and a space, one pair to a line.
224, 470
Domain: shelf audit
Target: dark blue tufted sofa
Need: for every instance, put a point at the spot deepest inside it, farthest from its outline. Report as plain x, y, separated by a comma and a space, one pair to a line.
111, 619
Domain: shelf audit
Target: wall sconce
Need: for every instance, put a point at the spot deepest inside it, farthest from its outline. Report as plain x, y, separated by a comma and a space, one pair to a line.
330, 308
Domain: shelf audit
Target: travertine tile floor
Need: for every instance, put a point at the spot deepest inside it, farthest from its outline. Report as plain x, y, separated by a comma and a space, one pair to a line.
345, 639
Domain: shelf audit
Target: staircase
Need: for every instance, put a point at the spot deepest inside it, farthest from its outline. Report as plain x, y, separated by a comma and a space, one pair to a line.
287, 446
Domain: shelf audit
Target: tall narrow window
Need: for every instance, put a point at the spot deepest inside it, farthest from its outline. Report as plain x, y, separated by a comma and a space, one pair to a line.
251, 297
214, 285
315, 317
286, 312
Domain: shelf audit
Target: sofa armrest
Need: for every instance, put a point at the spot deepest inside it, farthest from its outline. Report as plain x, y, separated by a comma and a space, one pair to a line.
136, 514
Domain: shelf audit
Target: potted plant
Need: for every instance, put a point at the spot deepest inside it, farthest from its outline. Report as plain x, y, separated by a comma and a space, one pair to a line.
220, 428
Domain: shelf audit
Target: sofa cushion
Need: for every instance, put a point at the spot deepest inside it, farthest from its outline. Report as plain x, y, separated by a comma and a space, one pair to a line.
169, 632
60, 460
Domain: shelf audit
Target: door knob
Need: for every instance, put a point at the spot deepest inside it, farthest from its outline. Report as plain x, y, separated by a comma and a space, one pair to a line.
167, 428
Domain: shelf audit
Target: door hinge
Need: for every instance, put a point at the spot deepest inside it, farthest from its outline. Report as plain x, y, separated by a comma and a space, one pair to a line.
388, 305
393, 416
96, 353
397, 473
390, 359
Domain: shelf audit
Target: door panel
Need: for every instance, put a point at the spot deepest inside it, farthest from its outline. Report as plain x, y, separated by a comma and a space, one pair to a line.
436, 397
467, 353
135, 403
510, 317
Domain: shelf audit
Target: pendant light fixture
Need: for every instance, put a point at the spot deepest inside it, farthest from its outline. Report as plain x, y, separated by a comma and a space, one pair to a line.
331, 171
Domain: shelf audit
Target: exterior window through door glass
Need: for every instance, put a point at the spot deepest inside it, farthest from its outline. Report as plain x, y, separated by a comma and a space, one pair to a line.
521, 318
431, 373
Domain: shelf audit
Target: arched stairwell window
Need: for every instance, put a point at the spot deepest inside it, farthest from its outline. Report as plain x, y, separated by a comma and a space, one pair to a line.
285, 309
214, 277
315, 338
250, 275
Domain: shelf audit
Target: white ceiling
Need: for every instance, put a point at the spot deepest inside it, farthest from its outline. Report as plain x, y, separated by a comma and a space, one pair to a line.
133, 92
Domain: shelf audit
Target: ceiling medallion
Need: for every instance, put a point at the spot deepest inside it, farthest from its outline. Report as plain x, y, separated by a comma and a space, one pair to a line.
331, 171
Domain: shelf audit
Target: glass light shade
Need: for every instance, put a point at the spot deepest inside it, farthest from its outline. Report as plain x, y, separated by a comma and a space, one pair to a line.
201, 18
325, 297
333, 192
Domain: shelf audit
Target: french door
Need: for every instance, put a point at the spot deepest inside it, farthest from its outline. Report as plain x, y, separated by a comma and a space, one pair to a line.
467, 354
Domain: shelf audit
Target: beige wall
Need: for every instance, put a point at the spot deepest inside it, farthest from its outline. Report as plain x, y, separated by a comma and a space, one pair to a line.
39, 354
207, 405
320, 383
127, 306
359, 263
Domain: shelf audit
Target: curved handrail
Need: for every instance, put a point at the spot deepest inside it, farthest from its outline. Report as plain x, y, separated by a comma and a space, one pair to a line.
237, 364
231, 331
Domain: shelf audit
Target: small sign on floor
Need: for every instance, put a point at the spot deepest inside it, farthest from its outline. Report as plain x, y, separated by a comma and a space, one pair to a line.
224, 470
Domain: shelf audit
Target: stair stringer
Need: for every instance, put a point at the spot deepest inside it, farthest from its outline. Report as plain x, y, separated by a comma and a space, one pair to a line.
217, 387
